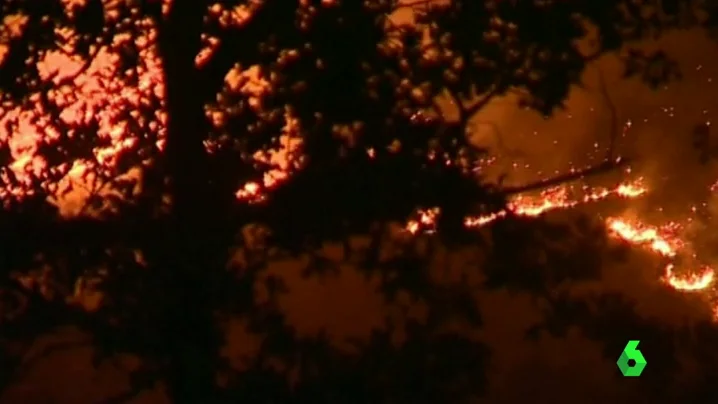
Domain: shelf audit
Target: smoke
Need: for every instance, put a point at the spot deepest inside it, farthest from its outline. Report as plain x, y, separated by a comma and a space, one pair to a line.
654, 126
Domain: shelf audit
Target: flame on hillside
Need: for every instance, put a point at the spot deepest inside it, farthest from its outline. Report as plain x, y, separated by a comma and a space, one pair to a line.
661, 240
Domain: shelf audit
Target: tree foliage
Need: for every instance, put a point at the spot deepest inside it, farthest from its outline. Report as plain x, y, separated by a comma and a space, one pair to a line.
196, 96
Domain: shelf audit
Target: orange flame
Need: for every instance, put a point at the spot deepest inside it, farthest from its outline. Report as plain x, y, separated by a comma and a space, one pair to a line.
557, 198
658, 240
665, 245
98, 94
644, 235
693, 282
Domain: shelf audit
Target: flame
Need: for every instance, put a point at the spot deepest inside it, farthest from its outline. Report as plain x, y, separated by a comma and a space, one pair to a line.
644, 235
662, 240
426, 221
99, 96
558, 198
251, 192
664, 244
698, 281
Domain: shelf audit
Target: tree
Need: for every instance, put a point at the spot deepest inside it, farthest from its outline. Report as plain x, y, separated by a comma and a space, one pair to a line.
200, 93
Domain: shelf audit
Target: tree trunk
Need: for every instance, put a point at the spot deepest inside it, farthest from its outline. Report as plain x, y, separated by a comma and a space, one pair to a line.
192, 253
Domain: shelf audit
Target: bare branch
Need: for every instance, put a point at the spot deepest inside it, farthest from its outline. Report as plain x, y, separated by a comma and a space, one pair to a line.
564, 178
466, 112
94, 193
83, 68
470, 111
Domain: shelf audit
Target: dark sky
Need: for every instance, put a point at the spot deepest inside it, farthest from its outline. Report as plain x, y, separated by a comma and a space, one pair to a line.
659, 141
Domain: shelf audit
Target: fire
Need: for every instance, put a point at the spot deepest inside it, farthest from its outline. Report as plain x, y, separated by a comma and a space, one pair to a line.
558, 198
699, 281
99, 93
643, 235
251, 192
663, 244
662, 240
425, 222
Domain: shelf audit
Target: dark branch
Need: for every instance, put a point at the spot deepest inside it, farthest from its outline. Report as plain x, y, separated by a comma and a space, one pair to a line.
468, 112
83, 68
459, 104
564, 178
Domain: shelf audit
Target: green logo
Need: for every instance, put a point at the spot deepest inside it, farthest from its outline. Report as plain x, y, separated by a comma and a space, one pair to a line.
630, 353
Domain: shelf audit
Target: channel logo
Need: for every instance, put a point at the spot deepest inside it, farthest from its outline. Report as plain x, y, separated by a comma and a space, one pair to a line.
631, 362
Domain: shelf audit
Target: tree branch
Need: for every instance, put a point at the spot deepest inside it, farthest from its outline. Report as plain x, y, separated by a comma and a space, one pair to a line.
83, 68
459, 104
465, 113
470, 111
564, 178
239, 45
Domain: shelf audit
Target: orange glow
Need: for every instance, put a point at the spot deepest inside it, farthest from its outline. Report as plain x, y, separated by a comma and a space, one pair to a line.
698, 281
642, 235
557, 198
425, 221
87, 98
660, 240
121, 110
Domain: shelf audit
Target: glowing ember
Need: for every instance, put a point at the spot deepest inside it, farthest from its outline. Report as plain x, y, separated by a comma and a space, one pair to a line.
426, 221
251, 192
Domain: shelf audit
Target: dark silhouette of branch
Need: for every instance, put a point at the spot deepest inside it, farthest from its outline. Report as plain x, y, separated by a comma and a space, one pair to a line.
466, 112
469, 111
86, 63
604, 167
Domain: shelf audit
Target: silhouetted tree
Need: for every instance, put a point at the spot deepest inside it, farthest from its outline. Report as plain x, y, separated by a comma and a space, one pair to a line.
369, 100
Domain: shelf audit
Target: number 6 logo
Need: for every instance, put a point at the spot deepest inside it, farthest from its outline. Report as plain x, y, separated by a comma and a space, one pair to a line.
631, 354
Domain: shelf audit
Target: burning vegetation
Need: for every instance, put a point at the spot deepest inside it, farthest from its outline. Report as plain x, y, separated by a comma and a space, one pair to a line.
316, 119
76, 98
